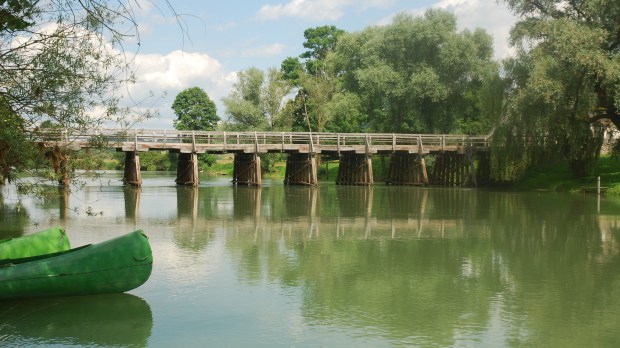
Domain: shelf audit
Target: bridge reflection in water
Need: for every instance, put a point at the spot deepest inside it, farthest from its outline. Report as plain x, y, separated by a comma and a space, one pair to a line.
299, 212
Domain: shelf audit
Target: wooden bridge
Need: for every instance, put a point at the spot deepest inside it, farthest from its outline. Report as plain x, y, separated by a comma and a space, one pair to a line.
457, 159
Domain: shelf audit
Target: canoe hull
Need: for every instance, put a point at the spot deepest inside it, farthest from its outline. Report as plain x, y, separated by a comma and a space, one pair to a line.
118, 265
44, 242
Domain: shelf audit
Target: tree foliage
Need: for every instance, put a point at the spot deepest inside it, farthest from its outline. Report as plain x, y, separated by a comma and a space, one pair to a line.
62, 62
564, 79
417, 74
257, 101
194, 110
316, 84
243, 104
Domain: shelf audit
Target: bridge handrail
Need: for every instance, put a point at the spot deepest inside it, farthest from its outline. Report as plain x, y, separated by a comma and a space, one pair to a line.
220, 137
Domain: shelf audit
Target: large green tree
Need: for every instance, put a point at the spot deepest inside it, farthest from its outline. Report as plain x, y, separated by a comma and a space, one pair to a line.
243, 104
194, 110
417, 74
257, 101
565, 78
316, 84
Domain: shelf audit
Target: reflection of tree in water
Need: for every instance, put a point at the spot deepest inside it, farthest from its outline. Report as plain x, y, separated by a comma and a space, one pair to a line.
536, 270
13, 219
562, 268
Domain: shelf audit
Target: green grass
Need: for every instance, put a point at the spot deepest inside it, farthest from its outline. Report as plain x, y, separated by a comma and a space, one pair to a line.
557, 177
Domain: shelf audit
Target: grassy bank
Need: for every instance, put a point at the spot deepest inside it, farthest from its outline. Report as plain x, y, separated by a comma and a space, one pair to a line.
557, 177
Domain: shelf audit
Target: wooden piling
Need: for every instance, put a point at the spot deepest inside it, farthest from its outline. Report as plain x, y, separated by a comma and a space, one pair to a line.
453, 169
187, 169
131, 172
407, 169
60, 164
355, 169
301, 169
247, 170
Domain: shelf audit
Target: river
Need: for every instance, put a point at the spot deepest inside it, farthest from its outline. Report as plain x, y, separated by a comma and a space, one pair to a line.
332, 266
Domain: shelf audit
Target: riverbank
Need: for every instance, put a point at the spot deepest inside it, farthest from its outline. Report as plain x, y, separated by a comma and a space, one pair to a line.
557, 177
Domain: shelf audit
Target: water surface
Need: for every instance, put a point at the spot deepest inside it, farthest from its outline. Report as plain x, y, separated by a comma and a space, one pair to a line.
332, 266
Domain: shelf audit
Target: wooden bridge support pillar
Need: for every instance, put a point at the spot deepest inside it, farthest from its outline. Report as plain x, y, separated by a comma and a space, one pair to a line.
453, 169
246, 170
131, 172
301, 170
355, 169
187, 169
60, 164
407, 169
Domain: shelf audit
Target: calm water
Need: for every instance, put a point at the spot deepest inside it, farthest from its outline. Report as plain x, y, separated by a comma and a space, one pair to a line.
334, 267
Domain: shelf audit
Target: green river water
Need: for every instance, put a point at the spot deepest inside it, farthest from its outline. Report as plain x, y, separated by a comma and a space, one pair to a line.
332, 266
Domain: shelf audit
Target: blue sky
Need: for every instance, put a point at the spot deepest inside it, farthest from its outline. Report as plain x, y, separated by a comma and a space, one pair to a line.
218, 38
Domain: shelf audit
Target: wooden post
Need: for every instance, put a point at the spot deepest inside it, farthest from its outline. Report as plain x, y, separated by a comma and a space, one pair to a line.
407, 169
60, 164
355, 169
64, 206
131, 172
247, 170
301, 169
187, 169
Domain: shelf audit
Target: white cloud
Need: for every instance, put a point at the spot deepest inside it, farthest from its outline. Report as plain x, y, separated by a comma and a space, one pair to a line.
316, 9
170, 74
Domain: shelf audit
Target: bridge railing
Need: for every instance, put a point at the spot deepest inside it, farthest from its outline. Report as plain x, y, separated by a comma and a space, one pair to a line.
115, 136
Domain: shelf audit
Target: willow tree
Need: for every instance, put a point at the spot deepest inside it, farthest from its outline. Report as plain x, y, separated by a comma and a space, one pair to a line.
61, 63
565, 80
417, 74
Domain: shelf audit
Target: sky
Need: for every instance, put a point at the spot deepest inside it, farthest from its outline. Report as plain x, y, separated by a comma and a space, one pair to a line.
210, 41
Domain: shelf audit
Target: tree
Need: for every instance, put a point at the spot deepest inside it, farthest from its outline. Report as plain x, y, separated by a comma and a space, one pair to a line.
243, 104
273, 95
417, 74
320, 41
564, 79
194, 110
315, 83
257, 100
62, 62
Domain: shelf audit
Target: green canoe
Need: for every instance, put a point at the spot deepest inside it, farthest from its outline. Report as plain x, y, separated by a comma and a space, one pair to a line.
44, 242
117, 265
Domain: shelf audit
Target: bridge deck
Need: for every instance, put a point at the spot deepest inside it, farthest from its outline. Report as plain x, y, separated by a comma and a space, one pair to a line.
261, 142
